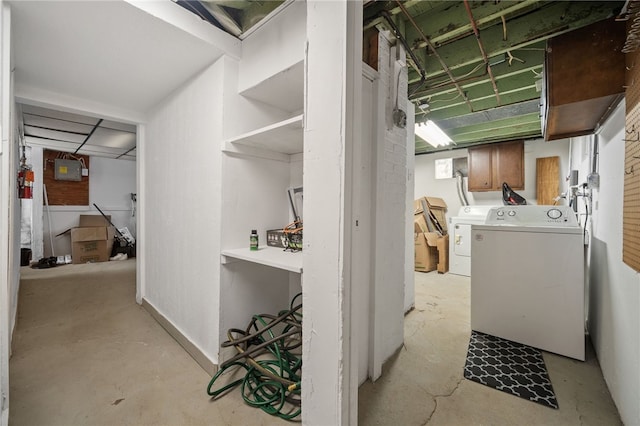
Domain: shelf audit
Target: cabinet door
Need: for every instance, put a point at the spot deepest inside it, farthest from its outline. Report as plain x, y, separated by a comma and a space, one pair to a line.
510, 164
480, 168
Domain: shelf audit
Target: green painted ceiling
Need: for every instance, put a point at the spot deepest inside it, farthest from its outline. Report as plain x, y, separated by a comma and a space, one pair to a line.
513, 35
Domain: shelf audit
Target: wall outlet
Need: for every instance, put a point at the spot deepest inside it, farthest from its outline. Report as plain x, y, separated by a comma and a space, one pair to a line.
593, 181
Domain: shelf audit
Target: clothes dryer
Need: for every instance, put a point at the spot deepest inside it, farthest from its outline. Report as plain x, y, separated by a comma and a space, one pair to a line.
460, 237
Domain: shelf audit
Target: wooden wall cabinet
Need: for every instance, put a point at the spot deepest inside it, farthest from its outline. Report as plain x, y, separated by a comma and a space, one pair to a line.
490, 165
583, 79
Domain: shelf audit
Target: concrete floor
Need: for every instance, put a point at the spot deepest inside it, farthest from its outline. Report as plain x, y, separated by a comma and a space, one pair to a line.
423, 383
84, 353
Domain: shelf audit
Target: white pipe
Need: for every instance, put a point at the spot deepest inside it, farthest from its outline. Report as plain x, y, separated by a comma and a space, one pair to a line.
46, 203
460, 188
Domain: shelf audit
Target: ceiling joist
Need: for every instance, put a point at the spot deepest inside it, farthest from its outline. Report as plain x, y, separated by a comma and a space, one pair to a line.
540, 25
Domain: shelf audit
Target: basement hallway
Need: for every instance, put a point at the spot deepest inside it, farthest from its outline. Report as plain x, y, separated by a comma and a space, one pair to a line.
84, 353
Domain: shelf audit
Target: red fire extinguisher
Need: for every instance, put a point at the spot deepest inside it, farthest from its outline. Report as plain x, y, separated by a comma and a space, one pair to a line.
25, 182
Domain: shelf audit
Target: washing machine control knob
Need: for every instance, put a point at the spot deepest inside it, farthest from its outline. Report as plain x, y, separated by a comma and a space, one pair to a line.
554, 213
512, 213
500, 213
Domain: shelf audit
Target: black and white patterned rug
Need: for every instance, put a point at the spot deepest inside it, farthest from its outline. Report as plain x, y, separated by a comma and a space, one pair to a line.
510, 367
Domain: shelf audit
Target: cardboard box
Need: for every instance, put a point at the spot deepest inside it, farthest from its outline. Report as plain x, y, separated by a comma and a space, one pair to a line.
89, 244
430, 212
420, 216
443, 254
426, 251
420, 223
437, 207
92, 240
431, 250
93, 220
418, 207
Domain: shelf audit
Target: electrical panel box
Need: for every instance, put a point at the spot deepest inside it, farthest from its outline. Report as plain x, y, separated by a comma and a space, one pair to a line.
68, 170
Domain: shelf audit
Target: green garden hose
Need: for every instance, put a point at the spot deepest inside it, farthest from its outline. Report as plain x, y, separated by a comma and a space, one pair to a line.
269, 351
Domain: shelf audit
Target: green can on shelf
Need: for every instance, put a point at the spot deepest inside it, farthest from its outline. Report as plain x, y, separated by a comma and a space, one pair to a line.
253, 240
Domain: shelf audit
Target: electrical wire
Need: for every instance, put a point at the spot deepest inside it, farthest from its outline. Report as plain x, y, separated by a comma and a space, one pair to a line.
268, 350
504, 28
459, 79
586, 215
398, 86
446, 100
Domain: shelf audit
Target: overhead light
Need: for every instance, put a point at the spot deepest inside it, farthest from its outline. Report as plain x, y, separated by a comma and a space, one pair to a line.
432, 134
497, 60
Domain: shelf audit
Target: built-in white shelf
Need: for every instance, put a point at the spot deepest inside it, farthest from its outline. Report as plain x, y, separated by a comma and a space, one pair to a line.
283, 90
265, 255
285, 137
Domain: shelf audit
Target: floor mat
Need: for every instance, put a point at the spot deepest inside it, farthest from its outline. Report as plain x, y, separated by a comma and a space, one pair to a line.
510, 367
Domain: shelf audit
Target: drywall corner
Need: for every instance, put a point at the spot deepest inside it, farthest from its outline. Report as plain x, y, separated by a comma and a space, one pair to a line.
203, 361
180, 216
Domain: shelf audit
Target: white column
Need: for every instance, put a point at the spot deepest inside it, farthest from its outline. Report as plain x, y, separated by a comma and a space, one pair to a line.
332, 122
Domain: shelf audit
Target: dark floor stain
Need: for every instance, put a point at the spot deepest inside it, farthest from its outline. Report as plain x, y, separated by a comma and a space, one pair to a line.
117, 401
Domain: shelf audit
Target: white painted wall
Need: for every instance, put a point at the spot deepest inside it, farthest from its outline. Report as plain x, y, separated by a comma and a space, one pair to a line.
242, 114
332, 123
110, 184
427, 185
390, 159
180, 219
141, 236
110, 187
614, 288
361, 255
409, 249
8, 223
275, 46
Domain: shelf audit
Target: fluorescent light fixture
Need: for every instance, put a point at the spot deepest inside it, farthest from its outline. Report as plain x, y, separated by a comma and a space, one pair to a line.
432, 134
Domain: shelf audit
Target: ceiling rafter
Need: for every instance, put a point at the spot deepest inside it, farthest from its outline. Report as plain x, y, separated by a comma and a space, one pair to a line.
443, 64
485, 59
452, 25
548, 21
529, 69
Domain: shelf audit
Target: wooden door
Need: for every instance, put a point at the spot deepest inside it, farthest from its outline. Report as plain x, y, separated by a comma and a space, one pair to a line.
547, 180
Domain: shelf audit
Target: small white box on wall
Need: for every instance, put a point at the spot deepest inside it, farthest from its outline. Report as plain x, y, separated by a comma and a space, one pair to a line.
444, 168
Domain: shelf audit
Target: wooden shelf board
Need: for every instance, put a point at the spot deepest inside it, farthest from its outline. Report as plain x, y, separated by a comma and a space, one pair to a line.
285, 137
269, 256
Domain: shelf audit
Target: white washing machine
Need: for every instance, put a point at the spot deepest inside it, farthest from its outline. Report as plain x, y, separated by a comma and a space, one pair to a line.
460, 237
527, 278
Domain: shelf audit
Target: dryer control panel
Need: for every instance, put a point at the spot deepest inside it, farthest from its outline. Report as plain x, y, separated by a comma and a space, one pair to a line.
529, 215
